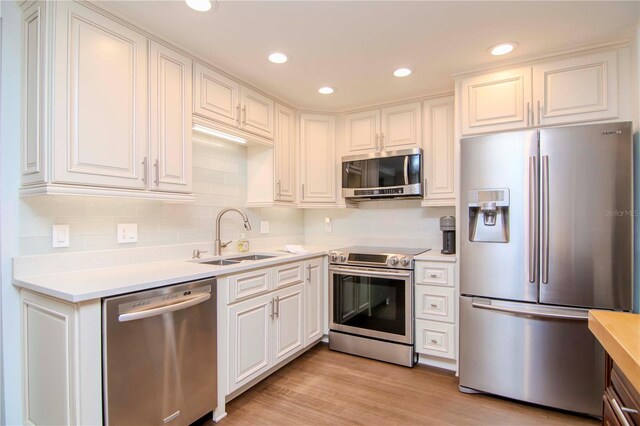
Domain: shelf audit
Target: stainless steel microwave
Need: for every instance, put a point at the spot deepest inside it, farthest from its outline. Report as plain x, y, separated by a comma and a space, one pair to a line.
389, 174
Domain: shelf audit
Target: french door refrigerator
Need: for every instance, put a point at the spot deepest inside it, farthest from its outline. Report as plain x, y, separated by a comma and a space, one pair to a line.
546, 235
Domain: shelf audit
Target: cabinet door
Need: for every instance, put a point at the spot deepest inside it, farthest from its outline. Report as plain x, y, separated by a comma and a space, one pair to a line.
314, 303
288, 330
496, 101
284, 147
363, 132
250, 324
33, 107
101, 100
439, 160
583, 88
257, 113
170, 76
215, 96
401, 127
318, 163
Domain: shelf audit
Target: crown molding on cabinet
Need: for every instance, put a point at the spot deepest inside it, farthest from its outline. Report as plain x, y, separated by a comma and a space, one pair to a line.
531, 60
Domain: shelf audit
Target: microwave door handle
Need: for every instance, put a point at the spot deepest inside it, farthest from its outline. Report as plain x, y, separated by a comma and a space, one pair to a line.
406, 170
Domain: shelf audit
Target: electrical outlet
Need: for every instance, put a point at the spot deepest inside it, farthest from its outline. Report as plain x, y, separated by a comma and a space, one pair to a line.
127, 233
328, 225
264, 227
60, 236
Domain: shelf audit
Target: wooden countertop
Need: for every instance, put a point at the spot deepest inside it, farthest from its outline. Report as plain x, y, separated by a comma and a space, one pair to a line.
619, 334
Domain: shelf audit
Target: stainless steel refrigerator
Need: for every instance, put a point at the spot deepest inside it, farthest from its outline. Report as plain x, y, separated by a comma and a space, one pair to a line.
546, 234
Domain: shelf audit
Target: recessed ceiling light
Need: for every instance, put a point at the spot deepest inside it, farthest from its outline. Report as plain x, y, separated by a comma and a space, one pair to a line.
278, 58
402, 72
326, 90
199, 5
503, 48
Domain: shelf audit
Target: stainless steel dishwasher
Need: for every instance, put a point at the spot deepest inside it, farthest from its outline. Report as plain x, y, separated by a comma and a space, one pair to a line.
159, 355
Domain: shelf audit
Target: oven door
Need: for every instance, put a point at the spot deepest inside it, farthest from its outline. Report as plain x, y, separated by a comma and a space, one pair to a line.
372, 302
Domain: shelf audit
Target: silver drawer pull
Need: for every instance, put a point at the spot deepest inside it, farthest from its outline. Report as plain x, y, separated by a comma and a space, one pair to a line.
433, 305
434, 341
619, 412
433, 276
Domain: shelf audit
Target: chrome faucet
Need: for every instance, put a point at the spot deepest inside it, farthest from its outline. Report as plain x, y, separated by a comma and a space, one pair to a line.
219, 245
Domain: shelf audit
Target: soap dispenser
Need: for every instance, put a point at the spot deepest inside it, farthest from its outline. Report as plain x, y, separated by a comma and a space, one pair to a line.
243, 243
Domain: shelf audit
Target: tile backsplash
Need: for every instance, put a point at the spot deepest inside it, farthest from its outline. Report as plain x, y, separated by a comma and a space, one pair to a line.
400, 223
219, 180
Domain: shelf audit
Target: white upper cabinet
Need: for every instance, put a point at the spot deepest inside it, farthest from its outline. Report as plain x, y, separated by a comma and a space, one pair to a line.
120, 107
584, 88
401, 127
33, 159
439, 160
390, 128
257, 113
170, 77
284, 150
241, 109
100, 107
216, 97
580, 88
496, 101
317, 158
363, 131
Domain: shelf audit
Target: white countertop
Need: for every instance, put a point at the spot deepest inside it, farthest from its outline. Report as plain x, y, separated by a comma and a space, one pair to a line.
434, 255
88, 284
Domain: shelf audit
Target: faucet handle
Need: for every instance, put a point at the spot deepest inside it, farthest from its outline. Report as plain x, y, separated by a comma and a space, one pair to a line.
224, 245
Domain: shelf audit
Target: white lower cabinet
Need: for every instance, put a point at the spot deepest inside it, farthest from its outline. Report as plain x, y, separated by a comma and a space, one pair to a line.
285, 315
435, 312
62, 365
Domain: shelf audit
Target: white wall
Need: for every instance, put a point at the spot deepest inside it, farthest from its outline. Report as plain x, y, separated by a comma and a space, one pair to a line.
219, 181
9, 172
384, 223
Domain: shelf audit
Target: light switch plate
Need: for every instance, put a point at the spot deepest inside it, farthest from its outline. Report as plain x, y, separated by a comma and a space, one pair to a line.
127, 233
328, 224
264, 227
60, 236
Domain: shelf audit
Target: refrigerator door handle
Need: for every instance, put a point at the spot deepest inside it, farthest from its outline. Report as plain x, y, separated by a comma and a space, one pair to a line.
533, 219
537, 311
545, 220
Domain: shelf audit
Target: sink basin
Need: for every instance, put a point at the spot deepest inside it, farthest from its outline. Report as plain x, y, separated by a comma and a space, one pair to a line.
251, 257
221, 262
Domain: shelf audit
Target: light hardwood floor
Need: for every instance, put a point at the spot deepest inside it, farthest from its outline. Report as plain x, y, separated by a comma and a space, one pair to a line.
323, 387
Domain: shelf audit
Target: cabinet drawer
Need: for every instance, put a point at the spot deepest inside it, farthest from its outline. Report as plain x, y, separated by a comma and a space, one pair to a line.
441, 274
625, 395
435, 303
249, 284
434, 338
289, 274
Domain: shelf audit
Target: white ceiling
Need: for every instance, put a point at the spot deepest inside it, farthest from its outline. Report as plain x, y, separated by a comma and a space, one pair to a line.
354, 46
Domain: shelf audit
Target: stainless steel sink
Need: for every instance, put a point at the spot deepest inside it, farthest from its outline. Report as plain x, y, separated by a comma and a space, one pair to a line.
221, 262
251, 257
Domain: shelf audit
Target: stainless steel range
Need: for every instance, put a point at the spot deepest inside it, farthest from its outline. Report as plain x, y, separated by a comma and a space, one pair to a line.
371, 302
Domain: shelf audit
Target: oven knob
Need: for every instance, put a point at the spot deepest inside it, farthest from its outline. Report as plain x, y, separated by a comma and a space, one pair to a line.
405, 261
343, 258
393, 261
333, 256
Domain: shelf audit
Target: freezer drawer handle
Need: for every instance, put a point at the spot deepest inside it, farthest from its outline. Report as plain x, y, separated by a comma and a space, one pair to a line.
165, 309
529, 312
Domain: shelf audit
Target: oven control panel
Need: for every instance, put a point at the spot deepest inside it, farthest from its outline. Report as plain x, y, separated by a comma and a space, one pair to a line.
372, 259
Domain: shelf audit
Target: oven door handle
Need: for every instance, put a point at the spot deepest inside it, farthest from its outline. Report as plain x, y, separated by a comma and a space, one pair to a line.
368, 273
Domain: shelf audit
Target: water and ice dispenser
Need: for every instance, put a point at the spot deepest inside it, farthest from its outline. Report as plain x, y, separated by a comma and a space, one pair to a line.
489, 215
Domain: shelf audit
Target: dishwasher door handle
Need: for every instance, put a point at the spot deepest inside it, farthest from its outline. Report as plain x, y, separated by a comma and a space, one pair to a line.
164, 309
